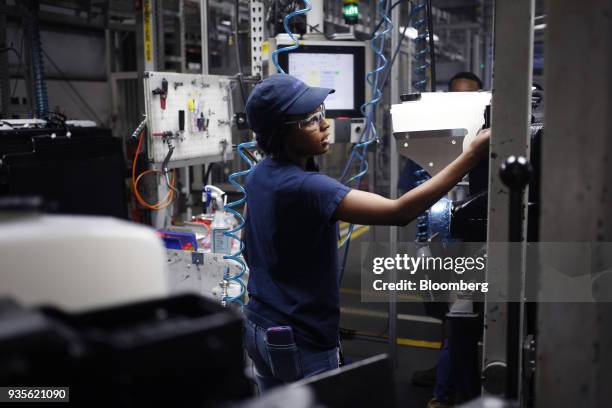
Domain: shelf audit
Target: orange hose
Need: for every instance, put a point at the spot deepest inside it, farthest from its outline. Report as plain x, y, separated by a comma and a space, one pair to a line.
167, 200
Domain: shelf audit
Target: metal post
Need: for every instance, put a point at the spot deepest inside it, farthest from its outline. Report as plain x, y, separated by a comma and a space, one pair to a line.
487, 13
204, 28
147, 40
515, 173
394, 175
467, 63
476, 55
181, 40
109, 59
314, 18
5, 74
511, 114
573, 345
158, 26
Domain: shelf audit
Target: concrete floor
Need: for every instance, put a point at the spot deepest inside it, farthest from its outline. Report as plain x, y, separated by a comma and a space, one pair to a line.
413, 327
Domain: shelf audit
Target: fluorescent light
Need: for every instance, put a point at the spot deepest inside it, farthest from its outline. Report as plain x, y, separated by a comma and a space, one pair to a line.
539, 26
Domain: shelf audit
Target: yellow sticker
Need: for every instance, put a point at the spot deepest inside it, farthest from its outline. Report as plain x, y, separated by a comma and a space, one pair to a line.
147, 30
265, 48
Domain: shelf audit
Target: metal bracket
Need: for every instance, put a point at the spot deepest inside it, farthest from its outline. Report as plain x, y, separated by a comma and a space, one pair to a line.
529, 356
197, 258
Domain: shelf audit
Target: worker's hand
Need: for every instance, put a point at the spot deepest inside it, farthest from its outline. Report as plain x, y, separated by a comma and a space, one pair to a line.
479, 147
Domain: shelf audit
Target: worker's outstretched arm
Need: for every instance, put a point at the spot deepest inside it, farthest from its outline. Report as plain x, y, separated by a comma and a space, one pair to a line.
362, 207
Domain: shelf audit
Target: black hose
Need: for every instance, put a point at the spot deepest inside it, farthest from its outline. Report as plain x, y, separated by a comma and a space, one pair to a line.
397, 49
397, 3
208, 170
432, 51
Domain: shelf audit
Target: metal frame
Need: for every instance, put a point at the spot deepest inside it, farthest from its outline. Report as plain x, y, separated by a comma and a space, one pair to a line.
573, 350
394, 175
5, 85
204, 35
511, 115
257, 34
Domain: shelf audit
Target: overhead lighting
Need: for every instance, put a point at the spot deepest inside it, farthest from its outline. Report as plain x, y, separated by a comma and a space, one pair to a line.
539, 27
226, 23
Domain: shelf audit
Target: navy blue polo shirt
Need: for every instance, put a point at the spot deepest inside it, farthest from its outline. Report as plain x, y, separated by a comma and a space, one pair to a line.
291, 244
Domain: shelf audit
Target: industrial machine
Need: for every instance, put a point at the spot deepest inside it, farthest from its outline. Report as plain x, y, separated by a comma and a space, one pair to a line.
106, 305
76, 167
182, 350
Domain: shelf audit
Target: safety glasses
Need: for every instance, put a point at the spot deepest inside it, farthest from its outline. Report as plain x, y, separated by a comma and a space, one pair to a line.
311, 121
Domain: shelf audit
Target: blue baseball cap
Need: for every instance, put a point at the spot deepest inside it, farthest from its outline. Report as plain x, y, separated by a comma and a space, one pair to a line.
280, 95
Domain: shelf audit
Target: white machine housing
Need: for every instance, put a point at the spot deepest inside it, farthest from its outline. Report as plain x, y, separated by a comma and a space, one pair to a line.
79, 262
433, 130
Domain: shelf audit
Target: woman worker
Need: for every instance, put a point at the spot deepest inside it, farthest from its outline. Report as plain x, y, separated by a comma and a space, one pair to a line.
292, 318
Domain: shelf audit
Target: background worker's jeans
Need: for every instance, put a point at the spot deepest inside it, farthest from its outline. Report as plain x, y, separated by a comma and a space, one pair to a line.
276, 365
458, 375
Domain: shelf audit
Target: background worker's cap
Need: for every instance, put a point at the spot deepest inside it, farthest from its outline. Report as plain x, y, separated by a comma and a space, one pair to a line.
280, 95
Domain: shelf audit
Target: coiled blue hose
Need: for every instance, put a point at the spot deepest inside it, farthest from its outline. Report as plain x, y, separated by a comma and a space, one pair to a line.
421, 64
229, 207
40, 86
422, 234
295, 44
368, 109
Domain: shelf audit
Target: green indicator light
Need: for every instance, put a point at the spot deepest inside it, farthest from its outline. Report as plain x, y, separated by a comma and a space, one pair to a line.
351, 10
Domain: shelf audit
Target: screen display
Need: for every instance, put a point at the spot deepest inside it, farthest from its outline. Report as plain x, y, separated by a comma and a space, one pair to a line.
328, 71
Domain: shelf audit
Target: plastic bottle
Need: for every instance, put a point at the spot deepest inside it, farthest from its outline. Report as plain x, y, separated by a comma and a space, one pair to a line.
221, 244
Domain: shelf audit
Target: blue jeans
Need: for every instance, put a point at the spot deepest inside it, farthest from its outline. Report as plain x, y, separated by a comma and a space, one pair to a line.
276, 365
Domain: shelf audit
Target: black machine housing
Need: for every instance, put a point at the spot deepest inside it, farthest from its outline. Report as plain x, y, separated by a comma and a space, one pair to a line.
75, 170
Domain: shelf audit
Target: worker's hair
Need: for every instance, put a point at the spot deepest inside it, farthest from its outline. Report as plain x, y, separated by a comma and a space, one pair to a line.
465, 75
272, 141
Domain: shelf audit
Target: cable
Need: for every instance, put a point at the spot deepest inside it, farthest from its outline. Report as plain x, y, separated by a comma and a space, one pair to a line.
432, 49
422, 233
388, 72
139, 128
382, 20
295, 44
397, 50
31, 27
18, 54
229, 207
19, 68
208, 170
419, 72
167, 200
381, 64
368, 109
83, 101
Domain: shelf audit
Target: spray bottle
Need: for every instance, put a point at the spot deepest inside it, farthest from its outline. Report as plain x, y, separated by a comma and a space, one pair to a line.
221, 243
